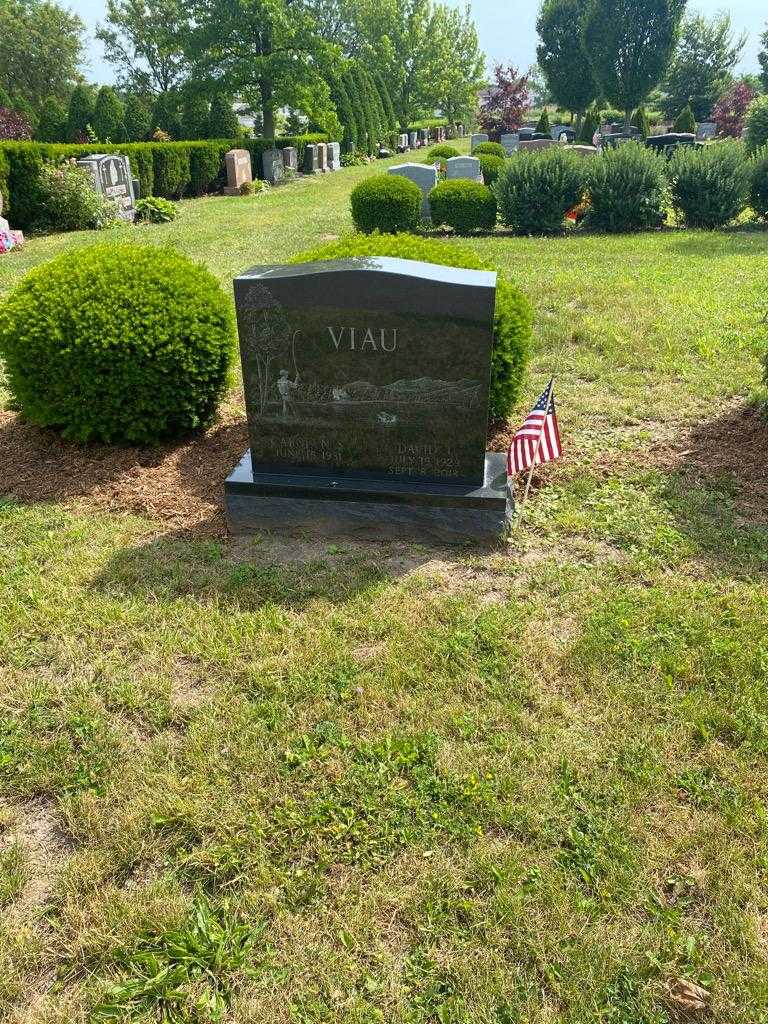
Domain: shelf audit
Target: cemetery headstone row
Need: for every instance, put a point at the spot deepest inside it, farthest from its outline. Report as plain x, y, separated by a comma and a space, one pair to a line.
111, 176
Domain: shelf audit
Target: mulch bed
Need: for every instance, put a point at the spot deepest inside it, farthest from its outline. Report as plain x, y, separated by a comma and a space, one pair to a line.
180, 484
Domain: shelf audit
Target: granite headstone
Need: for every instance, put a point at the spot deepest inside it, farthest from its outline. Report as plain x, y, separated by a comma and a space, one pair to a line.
238, 166
425, 176
322, 157
272, 162
510, 142
111, 175
366, 389
290, 158
334, 156
310, 158
463, 167
413, 140
476, 139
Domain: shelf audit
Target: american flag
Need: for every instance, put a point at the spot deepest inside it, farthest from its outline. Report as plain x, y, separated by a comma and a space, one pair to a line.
538, 440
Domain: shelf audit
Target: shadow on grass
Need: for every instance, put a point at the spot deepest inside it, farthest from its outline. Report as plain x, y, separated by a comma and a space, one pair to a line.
718, 487
250, 573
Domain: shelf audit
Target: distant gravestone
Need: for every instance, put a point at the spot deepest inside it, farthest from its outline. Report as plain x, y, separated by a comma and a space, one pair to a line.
402, 142
238, 166
334, 156
534, 144
322, 157
581, 150
510, 142
272, 162
476, 139
425, 177
366, 389
706, 130
413, 140
290, 158
111, 176
310, 158
463, 167
461, 130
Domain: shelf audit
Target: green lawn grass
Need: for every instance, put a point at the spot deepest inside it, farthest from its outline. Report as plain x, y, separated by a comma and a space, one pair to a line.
291, 782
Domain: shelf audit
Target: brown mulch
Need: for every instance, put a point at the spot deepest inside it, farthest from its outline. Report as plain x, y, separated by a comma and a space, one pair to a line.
180, 484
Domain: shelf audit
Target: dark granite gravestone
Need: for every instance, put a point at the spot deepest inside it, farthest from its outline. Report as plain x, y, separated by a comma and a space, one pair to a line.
366, 387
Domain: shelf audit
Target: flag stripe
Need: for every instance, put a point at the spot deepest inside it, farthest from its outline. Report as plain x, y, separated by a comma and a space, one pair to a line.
538, 439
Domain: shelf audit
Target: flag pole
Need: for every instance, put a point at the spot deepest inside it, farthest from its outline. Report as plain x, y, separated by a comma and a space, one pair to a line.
519, 515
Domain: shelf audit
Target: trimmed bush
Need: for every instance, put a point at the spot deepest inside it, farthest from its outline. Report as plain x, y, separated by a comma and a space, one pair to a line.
463, 205
628, 189
388, 203
125, 344
758, 186
442, 151
491, 166
756, 124
544, 127
710, 184
589, 126
685, 121
489, 149
513, 318
537, 188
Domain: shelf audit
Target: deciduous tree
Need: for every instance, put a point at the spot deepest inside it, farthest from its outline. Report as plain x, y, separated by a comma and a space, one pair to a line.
41, 48
507, 102
730, 111
630, 44
702, 66
562, 56
142, 40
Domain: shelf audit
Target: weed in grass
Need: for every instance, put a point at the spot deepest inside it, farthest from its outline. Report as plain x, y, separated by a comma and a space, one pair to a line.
185, 975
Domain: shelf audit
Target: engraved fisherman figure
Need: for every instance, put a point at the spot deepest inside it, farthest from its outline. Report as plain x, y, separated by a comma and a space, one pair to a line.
286, 387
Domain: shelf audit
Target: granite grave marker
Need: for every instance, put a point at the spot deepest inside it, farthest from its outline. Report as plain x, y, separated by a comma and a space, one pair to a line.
310, 158
111, 175
334, 156
366, 388
463, 167
425, 176
272, 162
238, 165
290, 158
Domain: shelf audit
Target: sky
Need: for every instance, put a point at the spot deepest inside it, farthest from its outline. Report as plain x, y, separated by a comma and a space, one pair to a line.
507, 30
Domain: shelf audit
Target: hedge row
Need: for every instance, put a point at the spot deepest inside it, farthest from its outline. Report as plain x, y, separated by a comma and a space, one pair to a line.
166, 169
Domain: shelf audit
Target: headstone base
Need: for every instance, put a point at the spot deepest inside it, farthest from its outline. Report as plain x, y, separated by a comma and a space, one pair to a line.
446, 513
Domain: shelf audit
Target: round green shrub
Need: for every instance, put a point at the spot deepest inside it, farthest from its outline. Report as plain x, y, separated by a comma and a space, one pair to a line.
537, 188
388, 203
758, 185
628, 189
489, 149
463, 205
513, 318
491, 166
126, 344
710, 184
156, 210
442, 152
756, 124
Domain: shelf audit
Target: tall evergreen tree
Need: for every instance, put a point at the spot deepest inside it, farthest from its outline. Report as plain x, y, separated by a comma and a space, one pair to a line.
390, 117
222, 121
137, 119
345, 113
195, 115
350, 83
52, 126
80, 114
762, 59
166, 115
630, 45
108, 114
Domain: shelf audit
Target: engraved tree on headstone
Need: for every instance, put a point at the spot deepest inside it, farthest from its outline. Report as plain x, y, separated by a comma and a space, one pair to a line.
268, 345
